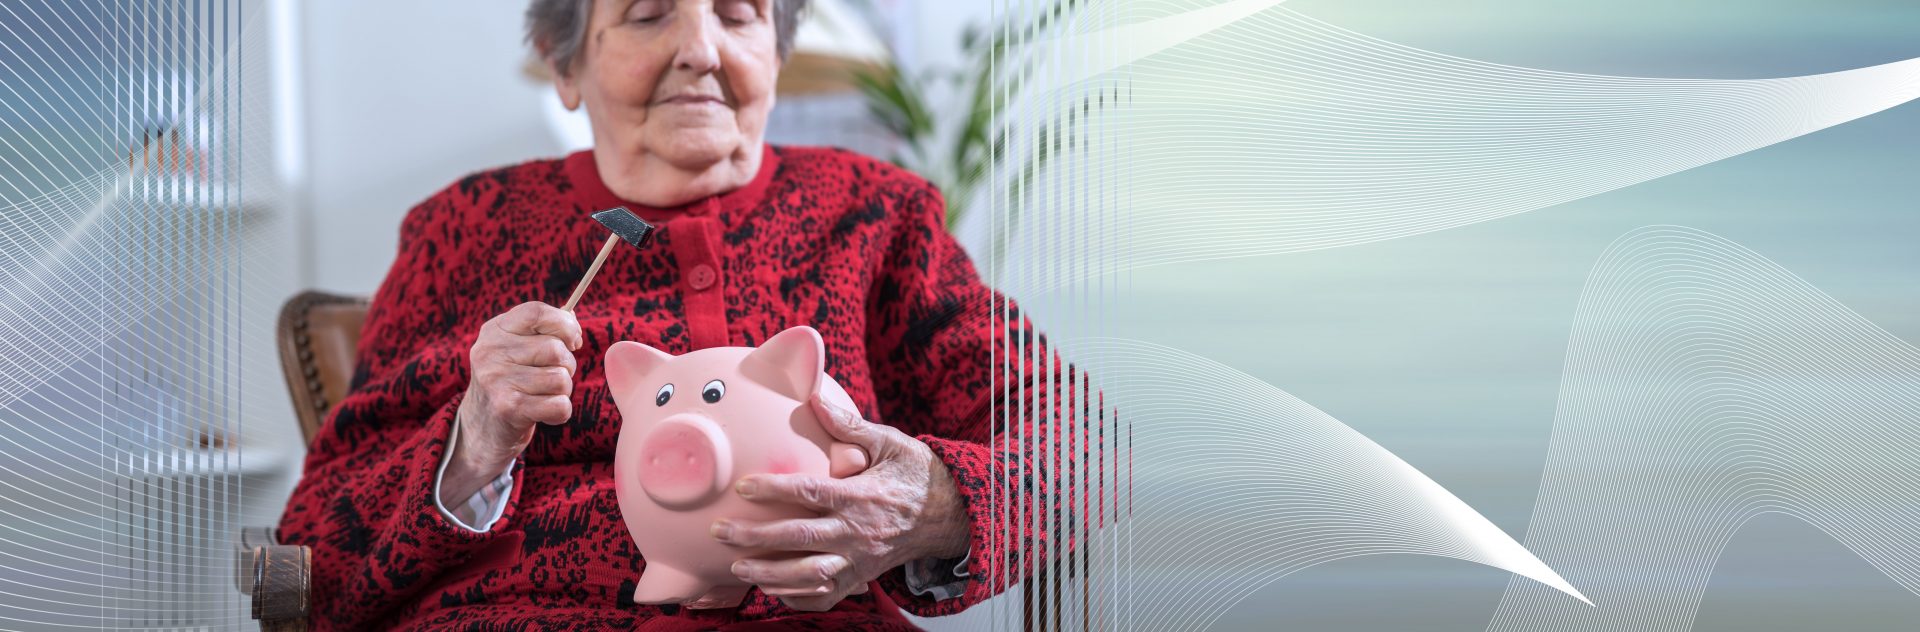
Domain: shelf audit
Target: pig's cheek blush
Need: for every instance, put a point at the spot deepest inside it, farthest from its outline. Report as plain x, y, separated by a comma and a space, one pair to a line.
782, 463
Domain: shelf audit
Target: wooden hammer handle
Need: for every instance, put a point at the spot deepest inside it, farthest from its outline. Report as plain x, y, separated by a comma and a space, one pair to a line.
591, 270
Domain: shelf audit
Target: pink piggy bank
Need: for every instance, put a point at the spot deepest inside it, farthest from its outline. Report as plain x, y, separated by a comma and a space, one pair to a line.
694, 424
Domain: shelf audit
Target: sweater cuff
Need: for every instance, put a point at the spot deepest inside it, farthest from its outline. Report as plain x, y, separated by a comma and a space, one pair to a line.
971, 465
941, 579
421, 509
484, 507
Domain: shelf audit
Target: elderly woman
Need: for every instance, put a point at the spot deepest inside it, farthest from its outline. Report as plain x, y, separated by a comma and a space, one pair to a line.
466, 480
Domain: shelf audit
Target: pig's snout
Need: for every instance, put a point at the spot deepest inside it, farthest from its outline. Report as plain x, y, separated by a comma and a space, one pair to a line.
685, 462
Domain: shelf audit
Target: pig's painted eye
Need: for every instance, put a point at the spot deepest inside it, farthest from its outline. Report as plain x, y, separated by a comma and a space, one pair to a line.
714, 391
666, 393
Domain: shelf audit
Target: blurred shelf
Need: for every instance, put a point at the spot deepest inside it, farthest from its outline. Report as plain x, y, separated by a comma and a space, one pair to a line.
26, 469
187, 192
204, 462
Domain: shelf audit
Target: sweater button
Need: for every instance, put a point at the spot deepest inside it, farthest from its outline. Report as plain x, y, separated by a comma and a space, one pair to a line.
701, 277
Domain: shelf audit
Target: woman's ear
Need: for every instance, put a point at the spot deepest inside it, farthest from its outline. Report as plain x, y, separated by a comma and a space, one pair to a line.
628, 360
563, 78
567, 87
789, 363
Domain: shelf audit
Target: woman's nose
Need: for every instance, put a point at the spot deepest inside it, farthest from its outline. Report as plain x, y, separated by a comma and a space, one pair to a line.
696, 48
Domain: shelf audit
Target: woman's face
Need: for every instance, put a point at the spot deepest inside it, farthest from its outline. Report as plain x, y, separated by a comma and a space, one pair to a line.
689, 82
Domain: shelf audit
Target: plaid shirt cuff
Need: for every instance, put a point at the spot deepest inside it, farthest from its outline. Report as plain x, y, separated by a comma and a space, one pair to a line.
484, 507
942, 578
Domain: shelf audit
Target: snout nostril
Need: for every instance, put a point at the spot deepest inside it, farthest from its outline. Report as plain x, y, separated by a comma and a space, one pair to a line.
683, 462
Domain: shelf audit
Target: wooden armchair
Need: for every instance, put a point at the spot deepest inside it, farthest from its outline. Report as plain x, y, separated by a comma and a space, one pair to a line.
318, 334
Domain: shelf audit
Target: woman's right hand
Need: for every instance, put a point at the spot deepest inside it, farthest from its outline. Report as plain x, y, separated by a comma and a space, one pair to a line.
522, 370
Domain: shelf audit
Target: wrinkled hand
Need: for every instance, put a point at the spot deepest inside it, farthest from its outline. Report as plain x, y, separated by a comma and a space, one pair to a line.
522, 369
903, 507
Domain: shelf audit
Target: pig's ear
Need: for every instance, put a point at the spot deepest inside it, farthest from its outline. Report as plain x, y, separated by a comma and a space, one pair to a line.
628, 360
789, 363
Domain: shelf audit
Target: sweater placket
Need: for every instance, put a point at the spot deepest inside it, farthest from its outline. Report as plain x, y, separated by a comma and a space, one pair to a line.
696, 252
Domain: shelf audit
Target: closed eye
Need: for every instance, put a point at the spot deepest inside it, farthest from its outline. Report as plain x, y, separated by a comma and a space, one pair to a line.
737, 12
647, 11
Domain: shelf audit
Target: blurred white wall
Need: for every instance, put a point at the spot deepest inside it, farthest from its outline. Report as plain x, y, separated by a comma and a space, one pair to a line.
402, 98
934, 37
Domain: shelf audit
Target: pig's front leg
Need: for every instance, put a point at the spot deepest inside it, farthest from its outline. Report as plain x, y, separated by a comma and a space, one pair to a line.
661, 584
720, 597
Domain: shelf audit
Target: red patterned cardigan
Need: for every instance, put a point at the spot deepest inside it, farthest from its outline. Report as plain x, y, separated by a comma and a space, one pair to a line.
852, 246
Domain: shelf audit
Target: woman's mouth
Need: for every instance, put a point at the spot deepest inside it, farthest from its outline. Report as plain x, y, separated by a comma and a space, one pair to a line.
691, 99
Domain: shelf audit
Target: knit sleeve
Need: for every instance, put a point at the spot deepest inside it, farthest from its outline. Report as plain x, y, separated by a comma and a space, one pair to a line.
365, 502
956, 365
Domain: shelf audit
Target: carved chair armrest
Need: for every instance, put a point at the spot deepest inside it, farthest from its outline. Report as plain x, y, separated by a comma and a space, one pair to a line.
276, 576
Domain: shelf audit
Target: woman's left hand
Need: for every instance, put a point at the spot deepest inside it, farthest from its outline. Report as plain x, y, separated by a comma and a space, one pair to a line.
903, 507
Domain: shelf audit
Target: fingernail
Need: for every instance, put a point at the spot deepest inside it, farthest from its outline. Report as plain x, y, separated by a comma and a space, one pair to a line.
739, 569
746, 487
722, 529
820, 589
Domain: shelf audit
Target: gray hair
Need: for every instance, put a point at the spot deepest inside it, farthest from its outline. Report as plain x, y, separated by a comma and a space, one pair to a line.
560, 26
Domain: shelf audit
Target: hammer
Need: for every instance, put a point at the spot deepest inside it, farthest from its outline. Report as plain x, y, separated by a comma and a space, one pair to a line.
625, 225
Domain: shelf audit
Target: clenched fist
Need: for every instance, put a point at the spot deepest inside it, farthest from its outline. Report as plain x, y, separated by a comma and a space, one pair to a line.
522, 376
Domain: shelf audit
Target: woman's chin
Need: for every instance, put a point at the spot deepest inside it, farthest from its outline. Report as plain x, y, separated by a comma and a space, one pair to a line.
692, 149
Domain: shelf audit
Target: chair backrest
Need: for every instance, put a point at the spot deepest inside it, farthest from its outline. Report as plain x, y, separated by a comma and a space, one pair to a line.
318, 334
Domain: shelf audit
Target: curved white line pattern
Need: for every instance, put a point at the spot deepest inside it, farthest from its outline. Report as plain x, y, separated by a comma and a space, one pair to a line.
120, 289
1705, 385
112, 228
1236, 483
1267, 131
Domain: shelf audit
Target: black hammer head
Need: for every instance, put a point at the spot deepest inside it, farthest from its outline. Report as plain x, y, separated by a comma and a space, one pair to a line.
624, 223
